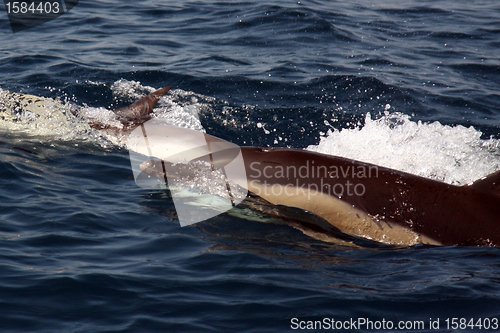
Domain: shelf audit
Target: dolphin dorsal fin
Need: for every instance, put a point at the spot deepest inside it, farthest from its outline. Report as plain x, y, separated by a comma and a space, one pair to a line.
489, 183
142, 107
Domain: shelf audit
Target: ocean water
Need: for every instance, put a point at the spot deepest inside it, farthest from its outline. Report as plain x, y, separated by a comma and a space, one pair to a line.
412, 85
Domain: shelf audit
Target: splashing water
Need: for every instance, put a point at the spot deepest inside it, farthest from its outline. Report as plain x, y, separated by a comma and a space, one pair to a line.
178, 107
453, 154
40, 117
49, 119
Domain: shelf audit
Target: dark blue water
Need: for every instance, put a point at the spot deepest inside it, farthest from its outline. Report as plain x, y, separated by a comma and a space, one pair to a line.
84, 249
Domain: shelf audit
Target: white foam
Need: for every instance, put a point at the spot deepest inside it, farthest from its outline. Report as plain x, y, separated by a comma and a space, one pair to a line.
102, 116
132, 90
453, 154
40, 117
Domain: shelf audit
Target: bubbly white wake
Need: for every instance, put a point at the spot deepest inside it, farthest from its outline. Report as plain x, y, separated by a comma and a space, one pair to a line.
453, 154
39, 117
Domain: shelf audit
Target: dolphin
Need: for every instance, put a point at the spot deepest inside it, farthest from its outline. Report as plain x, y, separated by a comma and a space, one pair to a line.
358, 199
377, 203
369, 201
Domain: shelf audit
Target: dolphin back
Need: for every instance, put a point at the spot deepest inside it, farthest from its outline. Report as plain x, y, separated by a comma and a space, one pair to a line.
490, 184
